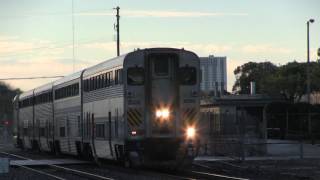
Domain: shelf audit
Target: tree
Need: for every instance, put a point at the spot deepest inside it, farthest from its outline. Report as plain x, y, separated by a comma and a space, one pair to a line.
6, 96
289, 80
252, 71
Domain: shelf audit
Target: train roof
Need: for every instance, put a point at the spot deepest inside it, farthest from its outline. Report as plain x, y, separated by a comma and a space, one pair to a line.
43, 88
16, 98
107, 64
26, 94
68, 78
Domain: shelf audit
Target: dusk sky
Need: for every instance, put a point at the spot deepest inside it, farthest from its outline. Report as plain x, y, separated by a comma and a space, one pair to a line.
36, 35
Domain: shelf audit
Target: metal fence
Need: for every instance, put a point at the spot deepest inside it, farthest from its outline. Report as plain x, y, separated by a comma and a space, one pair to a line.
241, 135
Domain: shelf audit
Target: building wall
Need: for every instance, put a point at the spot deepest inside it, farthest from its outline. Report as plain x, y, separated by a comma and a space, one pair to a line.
214, 75
314, 98
224, 128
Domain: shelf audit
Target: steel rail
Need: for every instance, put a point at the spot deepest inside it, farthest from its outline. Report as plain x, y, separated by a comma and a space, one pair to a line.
21, 157
77, 172
218, 175
41, 172
69, 170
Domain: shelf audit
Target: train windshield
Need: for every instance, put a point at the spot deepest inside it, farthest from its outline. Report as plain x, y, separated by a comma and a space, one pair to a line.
187, 76
161, 63
161, 66
135, 76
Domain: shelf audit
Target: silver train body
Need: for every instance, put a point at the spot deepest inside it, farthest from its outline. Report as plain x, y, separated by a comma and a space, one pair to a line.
139, 108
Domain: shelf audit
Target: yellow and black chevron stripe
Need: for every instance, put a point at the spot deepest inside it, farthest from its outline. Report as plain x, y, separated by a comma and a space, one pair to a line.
189, 114
134, 117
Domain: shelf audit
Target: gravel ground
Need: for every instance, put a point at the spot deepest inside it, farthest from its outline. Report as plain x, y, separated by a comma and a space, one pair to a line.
308, 169
108, 170
297, 169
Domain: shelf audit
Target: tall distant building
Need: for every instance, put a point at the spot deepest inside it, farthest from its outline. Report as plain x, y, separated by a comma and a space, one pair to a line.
214, 75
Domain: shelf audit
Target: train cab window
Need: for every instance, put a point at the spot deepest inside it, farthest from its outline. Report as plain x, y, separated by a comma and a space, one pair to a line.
161, 67
161, 63
187, 75
135, 76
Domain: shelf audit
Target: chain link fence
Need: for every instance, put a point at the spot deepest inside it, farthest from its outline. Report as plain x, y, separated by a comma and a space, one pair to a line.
249, 133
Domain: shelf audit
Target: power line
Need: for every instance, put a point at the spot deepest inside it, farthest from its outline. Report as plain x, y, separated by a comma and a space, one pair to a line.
73, 36
25, 78
60, 45
43, 14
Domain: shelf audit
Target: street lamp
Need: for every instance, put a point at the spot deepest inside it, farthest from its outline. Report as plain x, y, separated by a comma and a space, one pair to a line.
308, 60
308, 77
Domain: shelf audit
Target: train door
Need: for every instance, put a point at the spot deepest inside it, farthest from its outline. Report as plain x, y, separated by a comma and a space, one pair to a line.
163, 91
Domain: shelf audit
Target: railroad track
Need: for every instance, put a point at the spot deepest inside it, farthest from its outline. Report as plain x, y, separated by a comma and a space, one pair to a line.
213, 175
66, 173
43, 170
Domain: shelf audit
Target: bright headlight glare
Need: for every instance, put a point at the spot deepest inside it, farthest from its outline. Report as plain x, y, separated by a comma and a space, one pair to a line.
191, 132
165, 113
158, 113
162, 113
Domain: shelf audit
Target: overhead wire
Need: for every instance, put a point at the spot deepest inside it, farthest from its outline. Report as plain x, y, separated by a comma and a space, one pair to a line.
73, 29
24, 51
31, 50
24, 78
30, 15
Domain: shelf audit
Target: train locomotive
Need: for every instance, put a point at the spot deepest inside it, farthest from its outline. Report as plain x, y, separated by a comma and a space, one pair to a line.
140, 108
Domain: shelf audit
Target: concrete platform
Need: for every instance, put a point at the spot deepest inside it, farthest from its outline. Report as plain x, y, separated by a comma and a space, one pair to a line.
47, 162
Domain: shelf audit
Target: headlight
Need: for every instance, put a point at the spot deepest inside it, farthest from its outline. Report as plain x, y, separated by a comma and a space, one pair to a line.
191, 132
162, 113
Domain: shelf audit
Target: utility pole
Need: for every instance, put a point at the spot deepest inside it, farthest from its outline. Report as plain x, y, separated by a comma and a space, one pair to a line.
72, 36
118, 28
308, 78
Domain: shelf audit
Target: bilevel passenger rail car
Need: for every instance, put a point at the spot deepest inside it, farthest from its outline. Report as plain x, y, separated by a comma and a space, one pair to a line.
139, 108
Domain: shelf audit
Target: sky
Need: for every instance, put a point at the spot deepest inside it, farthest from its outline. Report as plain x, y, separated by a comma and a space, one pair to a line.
36, 36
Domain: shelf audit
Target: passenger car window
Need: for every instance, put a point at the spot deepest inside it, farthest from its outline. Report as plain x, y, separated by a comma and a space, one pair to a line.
187, 76
135, 76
